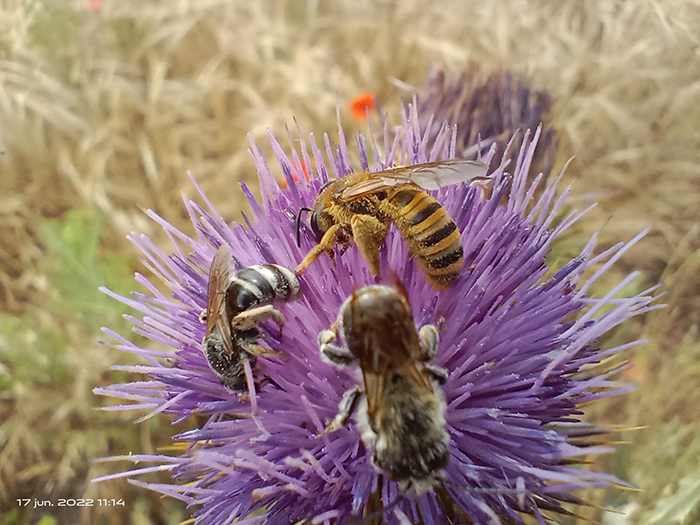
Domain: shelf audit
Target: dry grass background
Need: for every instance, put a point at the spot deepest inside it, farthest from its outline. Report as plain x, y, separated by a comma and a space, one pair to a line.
106, 105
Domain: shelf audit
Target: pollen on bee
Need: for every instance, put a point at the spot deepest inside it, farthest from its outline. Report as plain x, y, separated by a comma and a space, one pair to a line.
360, 104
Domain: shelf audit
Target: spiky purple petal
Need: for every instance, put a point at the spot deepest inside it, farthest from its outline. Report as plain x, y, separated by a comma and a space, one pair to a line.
520, 343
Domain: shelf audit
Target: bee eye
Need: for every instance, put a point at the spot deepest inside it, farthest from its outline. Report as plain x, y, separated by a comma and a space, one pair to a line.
315, 227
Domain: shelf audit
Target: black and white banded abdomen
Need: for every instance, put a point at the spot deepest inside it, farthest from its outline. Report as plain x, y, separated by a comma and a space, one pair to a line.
260, 284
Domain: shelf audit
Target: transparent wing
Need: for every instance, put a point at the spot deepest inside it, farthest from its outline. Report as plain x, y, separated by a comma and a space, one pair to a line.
384, 356
436, 175
375, 382
372, 185
216, 298
429, 176
374, 390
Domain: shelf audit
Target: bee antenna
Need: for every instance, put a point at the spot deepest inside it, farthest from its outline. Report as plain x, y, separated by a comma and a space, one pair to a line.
297, 223
379, 512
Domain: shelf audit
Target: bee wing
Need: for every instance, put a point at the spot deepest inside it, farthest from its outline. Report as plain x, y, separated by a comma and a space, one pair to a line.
374, 390
436, 175
374, 184
429, 176
417, 371
377, 368
216, 298
375, 383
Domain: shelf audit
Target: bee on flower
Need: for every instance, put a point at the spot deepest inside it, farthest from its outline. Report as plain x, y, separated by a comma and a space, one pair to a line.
514, 341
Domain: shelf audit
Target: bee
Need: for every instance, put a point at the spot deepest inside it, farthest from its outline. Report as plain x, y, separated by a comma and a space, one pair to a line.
401, 407
235, 306
361, 206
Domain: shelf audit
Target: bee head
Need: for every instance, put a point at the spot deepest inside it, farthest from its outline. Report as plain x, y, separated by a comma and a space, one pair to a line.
317, 217
298, 223
315, 227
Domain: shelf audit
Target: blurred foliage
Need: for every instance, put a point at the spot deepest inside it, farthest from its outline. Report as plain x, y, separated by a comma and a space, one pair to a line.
35, 356
144, 91
130, 33
37, 349
14, 517
51, 27
76, 268
682, 507
51, 363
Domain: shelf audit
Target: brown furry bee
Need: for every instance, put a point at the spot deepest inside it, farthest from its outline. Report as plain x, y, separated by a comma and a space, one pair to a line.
401, 405
235, 306
362, 205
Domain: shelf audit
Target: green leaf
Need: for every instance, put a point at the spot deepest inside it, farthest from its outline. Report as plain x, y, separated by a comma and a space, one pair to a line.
77, 268
678, 507
47, 519
51, 27
32, 355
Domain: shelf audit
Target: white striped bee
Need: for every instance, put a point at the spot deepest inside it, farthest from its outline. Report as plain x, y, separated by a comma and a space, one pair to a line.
235, 306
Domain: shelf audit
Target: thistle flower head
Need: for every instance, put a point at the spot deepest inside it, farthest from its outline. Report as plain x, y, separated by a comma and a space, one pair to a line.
520, 343
488, 109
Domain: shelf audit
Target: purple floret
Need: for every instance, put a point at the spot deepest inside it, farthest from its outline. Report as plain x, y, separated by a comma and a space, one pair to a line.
521, 344
488, 108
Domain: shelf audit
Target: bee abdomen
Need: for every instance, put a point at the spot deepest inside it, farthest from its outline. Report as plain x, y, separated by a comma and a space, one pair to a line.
261, 284
229, 368
431, 233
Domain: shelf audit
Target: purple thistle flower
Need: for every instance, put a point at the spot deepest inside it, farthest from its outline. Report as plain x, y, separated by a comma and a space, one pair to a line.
490, 107
520, 344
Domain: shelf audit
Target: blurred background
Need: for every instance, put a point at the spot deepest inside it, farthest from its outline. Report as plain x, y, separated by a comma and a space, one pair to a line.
105, 106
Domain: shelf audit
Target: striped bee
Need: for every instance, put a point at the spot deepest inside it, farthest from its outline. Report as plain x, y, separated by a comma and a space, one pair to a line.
362, 205
235, 306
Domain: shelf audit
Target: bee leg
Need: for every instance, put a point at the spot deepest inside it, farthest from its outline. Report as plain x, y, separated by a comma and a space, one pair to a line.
437, 373
243, 398
250, 318
332, 352
369, 234
203, 316
325, 245
256, 349
331, 256
269, 381
441, 324
326, 336
346, 407
336, 355
429, 340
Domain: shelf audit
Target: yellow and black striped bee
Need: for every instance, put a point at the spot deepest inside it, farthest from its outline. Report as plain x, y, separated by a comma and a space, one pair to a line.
235, 306
362, 205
